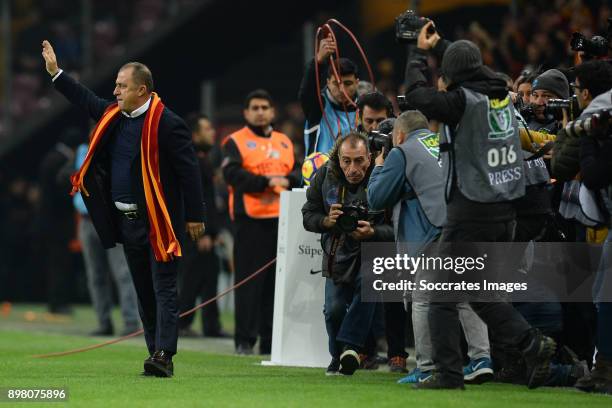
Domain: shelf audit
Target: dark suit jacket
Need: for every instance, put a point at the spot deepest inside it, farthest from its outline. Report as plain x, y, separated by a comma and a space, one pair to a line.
178, 167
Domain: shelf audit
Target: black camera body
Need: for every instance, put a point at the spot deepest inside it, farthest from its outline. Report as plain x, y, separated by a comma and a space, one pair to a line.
382, 137
352, 213
555, 107
597, 125
597, 46
402, 103
408, 26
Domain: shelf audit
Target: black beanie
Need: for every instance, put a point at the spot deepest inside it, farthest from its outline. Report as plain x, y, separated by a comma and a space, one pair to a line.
460, 60
553, 81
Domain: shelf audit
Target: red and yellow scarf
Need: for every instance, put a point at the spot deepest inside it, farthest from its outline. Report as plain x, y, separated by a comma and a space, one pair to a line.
161, 234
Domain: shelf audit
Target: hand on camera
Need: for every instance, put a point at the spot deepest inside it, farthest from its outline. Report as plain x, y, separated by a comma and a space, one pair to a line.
364, 231
380, 158
334, 212
427, 41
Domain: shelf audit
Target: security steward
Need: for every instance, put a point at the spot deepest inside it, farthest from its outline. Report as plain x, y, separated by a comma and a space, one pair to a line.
259, 163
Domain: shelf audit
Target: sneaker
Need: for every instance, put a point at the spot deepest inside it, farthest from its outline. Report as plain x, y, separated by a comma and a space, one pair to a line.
368, 362
434, 382
334, 367
537, 359
415, 376
349, 362
397, 364
478, 371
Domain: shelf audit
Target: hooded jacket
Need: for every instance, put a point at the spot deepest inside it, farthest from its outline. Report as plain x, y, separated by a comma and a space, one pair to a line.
448, 107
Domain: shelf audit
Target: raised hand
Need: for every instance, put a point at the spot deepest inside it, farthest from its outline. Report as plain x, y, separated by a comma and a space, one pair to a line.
50, 59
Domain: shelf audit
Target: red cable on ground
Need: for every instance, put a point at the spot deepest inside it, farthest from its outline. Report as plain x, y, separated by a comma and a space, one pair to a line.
139, 332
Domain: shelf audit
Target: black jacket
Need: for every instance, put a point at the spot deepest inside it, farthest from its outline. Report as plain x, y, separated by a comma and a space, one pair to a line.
347, 261
448, 107
178, 167
596, 162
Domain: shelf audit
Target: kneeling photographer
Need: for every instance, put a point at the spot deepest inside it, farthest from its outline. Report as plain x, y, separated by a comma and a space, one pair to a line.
336, 207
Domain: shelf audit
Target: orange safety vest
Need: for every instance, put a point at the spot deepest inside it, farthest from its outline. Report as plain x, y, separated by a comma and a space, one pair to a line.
264, 156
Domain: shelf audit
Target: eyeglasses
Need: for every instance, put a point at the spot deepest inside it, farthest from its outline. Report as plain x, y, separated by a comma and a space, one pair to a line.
576, 86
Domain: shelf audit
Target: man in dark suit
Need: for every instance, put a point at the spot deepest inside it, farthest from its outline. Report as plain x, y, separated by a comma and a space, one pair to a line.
141, 185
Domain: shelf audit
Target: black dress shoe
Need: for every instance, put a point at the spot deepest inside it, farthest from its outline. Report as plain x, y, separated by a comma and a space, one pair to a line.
146, 373
244, 349
103, 331
218, 334
160, 364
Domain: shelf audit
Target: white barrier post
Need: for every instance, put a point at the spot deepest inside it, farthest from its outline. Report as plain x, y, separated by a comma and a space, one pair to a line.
299, 337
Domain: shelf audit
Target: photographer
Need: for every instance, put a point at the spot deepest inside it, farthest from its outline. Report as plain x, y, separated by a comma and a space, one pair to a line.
479, 203
593, 78
374, 108
551, 84
410, 180
341, 183
596, 170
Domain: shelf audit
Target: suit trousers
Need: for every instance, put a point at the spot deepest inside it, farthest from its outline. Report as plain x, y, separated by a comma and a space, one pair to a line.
155, 284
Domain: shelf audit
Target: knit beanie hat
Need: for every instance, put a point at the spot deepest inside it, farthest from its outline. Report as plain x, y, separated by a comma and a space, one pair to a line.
553, 81
460, 60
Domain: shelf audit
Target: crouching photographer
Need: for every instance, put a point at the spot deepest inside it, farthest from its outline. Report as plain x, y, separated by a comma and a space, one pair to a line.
336, 207
596, 170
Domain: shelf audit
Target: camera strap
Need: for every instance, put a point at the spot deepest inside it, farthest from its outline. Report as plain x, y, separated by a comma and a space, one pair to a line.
337, 239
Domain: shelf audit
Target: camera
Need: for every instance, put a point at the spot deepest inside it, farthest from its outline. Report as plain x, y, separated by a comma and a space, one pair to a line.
408, 25
555, 107
597, 125
351, 214
525, 109
595, 47
402, 103
381, 137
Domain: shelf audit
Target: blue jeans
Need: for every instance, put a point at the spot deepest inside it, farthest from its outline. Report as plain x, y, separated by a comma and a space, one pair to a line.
348, 320
602, 288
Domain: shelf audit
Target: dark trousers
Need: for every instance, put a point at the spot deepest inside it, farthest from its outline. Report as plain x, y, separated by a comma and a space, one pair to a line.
501, 318
348, 320
59, 268
198, 276
155, 284
254, 246
395, 328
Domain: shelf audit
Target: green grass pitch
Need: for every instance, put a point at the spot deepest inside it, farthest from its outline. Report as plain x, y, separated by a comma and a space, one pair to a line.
109, 377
